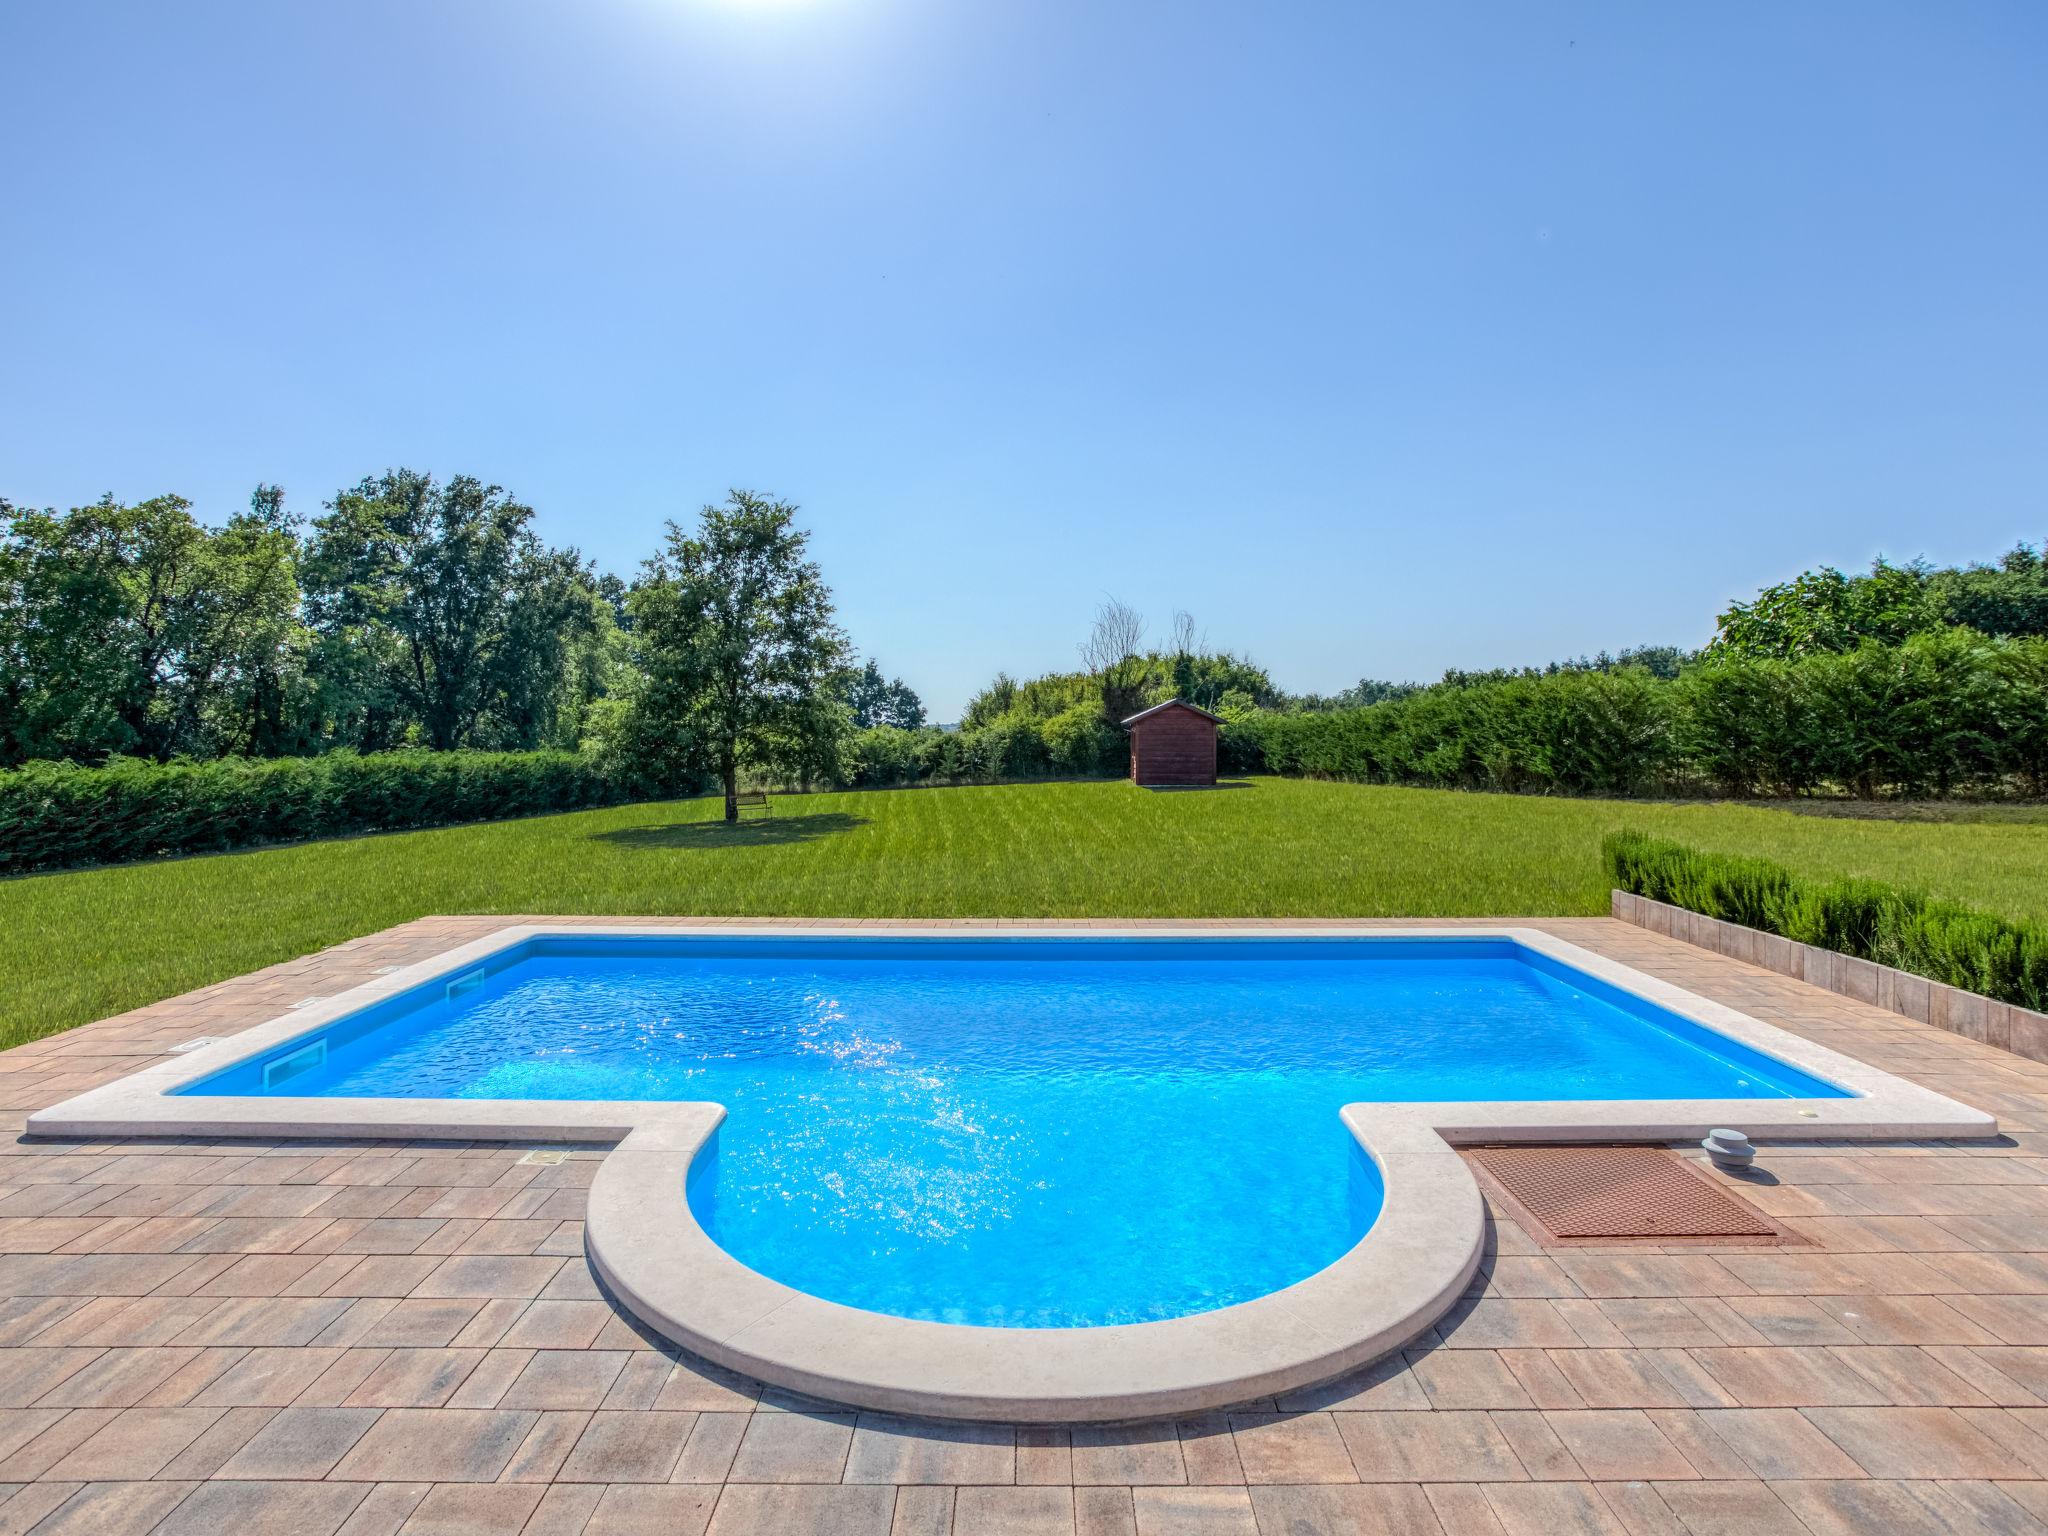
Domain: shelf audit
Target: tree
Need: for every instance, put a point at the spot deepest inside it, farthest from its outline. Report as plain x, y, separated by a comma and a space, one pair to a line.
875, 700
2009, 598
550, 656
1367, 690
243, 637
437, 603
1823, 612
14, 641
135, 629
1660, 661
1826, 611
1113, 654
735, 633
992, 703
75, 664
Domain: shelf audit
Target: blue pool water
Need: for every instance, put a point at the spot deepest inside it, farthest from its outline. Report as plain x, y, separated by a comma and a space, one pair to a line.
1024, 1132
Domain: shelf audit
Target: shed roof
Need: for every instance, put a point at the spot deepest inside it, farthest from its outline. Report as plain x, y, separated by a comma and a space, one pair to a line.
1174, 704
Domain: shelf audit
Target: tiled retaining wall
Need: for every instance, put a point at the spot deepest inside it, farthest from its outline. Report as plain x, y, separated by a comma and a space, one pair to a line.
2019, 1030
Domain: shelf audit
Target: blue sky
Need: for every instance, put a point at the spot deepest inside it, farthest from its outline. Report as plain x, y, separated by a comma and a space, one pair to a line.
1382, 338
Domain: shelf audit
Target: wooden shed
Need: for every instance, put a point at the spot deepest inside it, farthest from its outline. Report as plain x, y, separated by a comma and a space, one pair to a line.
1173, 743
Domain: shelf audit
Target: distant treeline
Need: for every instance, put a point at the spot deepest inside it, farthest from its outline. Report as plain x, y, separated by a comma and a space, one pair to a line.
408, 613
412, 615
1063, 725
1905, 680
1818, 612
1951, 712
1946, 713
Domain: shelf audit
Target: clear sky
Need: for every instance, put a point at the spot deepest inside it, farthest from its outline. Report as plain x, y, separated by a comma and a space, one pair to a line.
1383, 338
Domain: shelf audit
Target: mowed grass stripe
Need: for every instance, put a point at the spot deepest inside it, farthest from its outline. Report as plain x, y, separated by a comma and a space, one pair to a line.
74, 947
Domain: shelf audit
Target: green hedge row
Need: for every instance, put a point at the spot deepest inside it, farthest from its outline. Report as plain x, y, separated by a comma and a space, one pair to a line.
1077, 742
1945, 941
1945, 713
1580, 732
54, 815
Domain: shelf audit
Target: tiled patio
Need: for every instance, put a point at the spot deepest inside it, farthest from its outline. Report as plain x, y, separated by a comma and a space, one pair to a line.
369, 1338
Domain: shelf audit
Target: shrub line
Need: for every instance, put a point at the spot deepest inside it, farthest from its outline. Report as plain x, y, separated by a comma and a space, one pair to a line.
56, 815
1957, 945
1945, 713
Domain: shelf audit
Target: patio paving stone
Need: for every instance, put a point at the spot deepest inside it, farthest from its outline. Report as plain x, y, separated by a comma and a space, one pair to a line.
905, 1451
437, 1445
472, 1509
1013, 1512
300, 1509
794, 1448
1194, 1512
626, 1447
300, 1442
382, 1337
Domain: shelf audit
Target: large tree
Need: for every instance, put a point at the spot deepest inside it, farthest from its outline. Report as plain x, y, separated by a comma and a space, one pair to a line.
877, 700
734, 628
2009, 598
242, 635
137, 629
1825, 610
439, 604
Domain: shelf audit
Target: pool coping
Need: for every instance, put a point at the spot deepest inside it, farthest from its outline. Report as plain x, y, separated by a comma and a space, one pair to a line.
646, 1245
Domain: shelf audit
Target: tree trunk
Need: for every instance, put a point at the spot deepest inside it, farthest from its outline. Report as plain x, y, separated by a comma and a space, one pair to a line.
732, 790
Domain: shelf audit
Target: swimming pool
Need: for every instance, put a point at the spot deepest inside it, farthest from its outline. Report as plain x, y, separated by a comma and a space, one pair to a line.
1152, 1105
1024, 1132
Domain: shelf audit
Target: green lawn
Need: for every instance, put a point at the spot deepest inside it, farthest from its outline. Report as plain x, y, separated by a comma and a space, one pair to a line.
74, 947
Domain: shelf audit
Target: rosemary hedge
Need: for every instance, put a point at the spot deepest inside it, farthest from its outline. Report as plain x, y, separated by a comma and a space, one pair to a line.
54, 815
1961, 946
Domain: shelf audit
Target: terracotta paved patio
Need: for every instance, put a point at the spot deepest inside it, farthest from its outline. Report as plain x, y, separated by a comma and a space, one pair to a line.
376, 1337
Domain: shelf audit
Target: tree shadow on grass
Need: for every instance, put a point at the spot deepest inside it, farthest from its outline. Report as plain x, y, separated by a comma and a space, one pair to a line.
753, 832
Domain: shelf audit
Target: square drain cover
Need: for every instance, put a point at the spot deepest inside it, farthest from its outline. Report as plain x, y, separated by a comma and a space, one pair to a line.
1618, 1192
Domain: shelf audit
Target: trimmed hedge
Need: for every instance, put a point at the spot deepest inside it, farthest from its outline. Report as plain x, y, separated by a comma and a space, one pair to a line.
1946, 713
56, 815
1945, 941
59, 815
1581, 732
1076, 743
